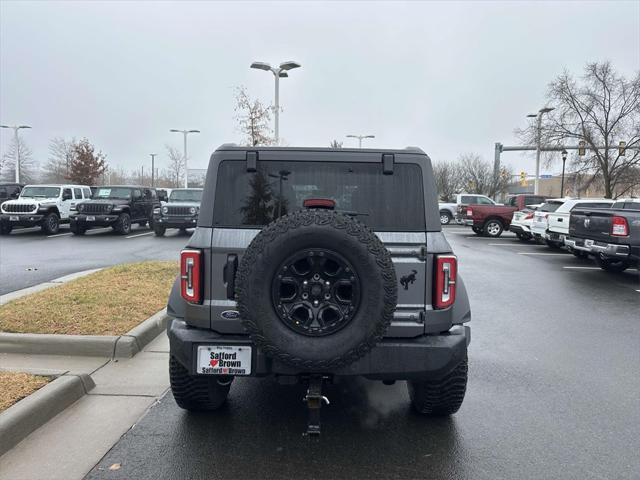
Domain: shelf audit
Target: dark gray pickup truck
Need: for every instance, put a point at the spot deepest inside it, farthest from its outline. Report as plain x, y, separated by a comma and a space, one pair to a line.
611, 235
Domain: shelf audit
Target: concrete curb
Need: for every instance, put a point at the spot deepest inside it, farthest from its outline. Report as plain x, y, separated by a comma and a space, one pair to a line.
121, 346
32, 412
8, 297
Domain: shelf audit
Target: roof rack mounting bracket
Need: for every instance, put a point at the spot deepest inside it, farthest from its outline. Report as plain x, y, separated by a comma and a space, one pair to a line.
388, 160
252, 161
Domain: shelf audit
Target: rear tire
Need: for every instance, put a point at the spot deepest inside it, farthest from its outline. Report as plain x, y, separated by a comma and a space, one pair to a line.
612, 265
445, 217
196, 392
159, 230
123, 224
523, 237
51, 224
493, 228
579, 254
477, 230
440, 397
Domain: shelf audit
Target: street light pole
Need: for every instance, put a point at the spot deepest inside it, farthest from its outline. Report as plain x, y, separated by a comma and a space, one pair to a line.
278, 72
186, 170
564, 159
360, 137
153, 169
15, 133
538, 118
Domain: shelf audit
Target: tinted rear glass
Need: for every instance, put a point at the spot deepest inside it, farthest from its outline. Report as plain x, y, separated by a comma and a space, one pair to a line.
384, 202
550, 206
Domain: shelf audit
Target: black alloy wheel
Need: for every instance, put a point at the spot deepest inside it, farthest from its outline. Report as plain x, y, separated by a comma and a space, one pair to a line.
316, 292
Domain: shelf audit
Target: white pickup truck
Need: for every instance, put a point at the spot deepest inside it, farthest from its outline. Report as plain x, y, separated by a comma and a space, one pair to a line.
449, 210
551, 221
46, 206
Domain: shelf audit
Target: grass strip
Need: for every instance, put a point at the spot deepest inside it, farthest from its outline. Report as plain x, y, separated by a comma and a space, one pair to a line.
109, 302
14, 386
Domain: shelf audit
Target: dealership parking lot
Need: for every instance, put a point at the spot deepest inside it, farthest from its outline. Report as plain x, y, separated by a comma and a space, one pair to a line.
553, 391
29, 257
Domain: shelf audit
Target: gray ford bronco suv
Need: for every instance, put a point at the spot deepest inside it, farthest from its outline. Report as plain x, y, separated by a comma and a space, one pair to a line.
309, 264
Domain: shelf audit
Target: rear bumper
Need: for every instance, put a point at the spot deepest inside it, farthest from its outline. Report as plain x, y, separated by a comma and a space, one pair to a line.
555, 237
603, 249
521, 229
425, 357
24, 219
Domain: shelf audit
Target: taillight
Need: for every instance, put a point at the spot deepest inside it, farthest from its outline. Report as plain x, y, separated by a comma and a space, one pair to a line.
619, 227
446, 267
469, 212
191, 275
528, 216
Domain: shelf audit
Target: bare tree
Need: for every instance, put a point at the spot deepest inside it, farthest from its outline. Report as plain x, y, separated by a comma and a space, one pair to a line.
335, 144
254, 119
27, 164
602, 108
56, 170
477, 176
175, 171
448, 179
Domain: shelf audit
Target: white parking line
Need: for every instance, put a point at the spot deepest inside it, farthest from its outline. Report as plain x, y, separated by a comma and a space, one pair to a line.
59, 235
582, 268
516, 245
539, 253
139, 235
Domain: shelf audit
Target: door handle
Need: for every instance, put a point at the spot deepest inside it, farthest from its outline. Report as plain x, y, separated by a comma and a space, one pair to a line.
229, 275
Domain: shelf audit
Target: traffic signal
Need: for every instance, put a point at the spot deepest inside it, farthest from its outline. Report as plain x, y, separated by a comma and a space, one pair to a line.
622, 146
523, 178
582, 148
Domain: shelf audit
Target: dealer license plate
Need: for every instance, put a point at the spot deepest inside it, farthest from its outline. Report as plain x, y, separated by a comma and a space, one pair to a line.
14, 218
91, 218
588, 243
224, 360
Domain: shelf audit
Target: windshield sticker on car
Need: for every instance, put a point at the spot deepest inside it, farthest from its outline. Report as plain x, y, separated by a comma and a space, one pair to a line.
104, 192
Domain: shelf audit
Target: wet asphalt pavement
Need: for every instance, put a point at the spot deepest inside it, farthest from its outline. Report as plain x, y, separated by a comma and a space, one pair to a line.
28, 256
554, 391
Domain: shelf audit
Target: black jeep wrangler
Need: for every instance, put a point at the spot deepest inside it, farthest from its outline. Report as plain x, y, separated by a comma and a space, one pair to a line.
309, 264
117, 207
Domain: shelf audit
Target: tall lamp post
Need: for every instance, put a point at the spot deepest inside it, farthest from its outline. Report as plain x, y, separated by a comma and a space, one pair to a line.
538, 117
360, 137
278, 73
153, 169
186, 170
15, 133
564, 159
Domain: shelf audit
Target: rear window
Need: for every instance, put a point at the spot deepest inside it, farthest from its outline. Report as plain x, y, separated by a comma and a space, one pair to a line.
383, 202
592, 205
549, 206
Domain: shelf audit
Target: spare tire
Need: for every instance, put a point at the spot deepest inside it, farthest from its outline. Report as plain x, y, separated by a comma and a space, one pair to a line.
316, 289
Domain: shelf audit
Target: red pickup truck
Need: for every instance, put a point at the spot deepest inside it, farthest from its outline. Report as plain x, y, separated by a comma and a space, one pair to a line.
492, 220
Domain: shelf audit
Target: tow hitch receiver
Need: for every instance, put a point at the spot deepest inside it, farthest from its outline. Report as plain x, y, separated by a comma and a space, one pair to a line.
314, 399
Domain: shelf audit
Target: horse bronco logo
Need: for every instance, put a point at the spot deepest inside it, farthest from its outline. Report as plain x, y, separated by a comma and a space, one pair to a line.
407, 279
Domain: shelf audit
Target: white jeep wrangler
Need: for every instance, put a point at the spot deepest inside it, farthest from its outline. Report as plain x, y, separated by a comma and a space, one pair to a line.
45, 205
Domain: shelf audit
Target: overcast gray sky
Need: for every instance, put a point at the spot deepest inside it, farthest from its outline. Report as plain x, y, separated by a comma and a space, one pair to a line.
450, 77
